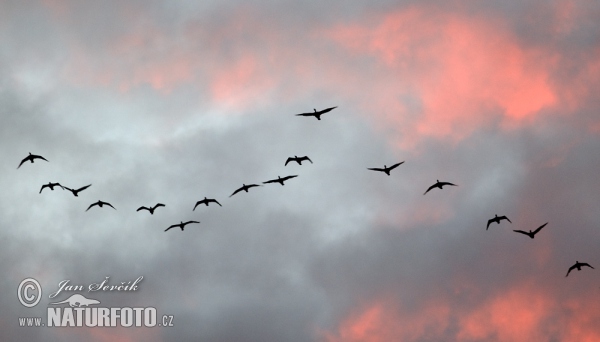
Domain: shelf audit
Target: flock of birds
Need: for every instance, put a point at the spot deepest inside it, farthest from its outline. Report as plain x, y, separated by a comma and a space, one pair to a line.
281, 180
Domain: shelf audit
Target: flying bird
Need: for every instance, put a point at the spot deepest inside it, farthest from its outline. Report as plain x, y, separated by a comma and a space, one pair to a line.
181, 225
439, 184
578, 266
77, 191
531, 234
298, 160
386, 169
100, 204
151, 209
497, 219
206, 201
317, 114
245, 188
31, 158
51, 186
280, 180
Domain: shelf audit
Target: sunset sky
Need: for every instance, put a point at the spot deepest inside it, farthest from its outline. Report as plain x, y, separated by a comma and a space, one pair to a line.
172, 101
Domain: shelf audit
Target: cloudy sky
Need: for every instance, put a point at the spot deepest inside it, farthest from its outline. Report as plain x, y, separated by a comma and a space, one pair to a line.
172, 101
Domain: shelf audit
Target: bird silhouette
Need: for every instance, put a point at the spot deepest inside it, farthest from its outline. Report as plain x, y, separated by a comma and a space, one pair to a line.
51, 186
206, 201
386, 169
100, 204
151, 209
497, 219
297, 160
77, 191
181, 225
531, 234
317, 114
280, 180
578, 266
245, 188
439, 184
31, 158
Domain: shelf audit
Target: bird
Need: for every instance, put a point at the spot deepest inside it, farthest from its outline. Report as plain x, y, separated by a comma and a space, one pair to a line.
206, 201
578, 266
31, 158
386, 169
51, 186
181, 225
531, 234
439, 184
280, 180
317, 114
298, 160
151, 209
100, 204
76, 192
497, 219
245, 188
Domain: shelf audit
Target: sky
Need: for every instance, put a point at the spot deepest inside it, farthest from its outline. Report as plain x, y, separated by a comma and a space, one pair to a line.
171, 102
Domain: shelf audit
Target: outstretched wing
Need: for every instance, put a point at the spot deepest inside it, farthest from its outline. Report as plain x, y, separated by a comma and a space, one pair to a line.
188, 222
447, 183
289, 177
142, 207
395, 166
505, 218
91, 205
306, 158
570, 269
272, 181
306, 114
110, 205
289, 160
38, 157
22, 161
172, 226
327, 110
431, 187
489, 222
522, 232
197, 204
375, 169
540, 228
214, 200
235, 192
585, 264
43, 186
83, 188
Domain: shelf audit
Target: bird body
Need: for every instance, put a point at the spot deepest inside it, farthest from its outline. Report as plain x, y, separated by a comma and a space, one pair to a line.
497, 219
31, 158
531, 234
76, 191
386, 169
317, 114
440, 185
181, 225
280, 180
206, 201
245, 188
51, 186
578, 266
298, 160
151, 209
100, 204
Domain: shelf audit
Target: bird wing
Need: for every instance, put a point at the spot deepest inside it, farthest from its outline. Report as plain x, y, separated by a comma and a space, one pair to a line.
198, 203
585, 264
38, 157
235, 192
431, 187
447, 183
159, 205
570, 269
142, 207
289, 177
505, 218
110, 205
306, 158
271, 181
22, 161
489, 222
43, 186
375, 169
522, 232
289, 160
91, 205
326, 110
306, 114
540, 228
395, 166
252, 186
83, 188
188, 222
214, 200
172, 226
